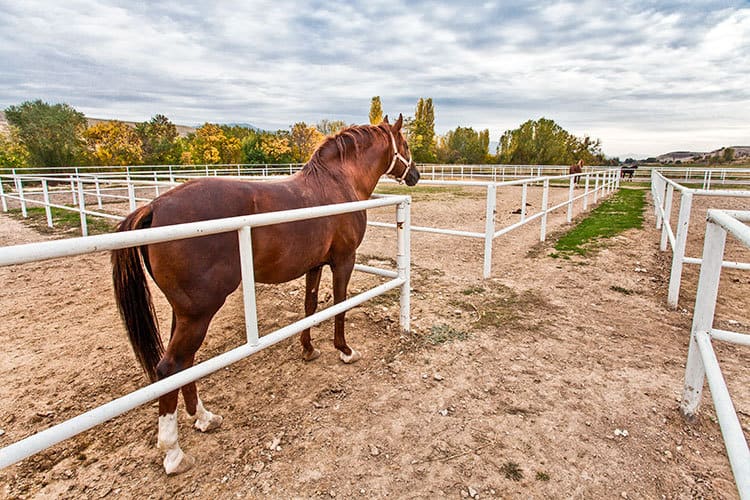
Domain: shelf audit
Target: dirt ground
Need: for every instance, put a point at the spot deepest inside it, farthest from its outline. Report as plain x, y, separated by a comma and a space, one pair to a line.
556, 378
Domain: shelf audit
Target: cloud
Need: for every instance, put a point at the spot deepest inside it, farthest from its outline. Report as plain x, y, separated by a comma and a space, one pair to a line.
642, 78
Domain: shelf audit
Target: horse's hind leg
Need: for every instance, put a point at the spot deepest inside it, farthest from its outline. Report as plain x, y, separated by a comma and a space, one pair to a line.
312, 285
203, 420
187, 336
342, 272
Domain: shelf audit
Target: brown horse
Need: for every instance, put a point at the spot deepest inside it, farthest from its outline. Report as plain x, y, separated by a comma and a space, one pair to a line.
576, 169
196, 275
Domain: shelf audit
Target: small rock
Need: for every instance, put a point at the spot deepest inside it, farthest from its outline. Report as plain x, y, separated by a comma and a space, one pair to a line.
472, 492
444, 412
733, 322
437, 377
624, 494
621, 432
424, 376
274, 445
2, 432
374, 451
258, 467
668, 454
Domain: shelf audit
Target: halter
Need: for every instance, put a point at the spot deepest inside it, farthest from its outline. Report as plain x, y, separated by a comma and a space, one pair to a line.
397, 156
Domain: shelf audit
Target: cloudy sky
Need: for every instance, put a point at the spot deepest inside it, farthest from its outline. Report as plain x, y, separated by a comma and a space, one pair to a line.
644, 77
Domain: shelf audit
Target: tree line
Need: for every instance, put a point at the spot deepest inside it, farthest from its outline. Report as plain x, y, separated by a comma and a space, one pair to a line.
56, 135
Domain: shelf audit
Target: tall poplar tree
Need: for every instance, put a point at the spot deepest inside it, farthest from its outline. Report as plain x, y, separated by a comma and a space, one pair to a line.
376, 111
422, 132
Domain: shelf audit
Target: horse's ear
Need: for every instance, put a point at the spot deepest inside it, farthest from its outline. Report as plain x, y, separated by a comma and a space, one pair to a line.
385, 119
399, 122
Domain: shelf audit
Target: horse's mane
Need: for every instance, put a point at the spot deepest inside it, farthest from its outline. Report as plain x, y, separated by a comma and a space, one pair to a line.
346, 144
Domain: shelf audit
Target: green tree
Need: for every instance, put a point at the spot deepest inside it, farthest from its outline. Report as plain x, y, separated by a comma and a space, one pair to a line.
464, 145
13, 154
331, 127
159, 141
544, 142
113, 143
727, 155
421, 132
52, 134
376, 111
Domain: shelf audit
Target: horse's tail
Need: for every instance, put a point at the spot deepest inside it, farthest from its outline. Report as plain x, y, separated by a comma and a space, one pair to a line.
134, 298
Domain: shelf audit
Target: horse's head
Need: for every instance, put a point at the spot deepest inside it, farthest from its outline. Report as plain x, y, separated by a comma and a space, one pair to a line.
402, 166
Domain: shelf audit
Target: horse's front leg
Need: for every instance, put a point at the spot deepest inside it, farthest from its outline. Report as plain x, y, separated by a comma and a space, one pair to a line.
312, 285
342, 272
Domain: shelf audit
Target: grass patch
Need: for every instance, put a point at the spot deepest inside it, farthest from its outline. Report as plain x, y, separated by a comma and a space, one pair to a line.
624, 210
64, 221
512, 471
624, 291
542, 476
440, 334
472, 290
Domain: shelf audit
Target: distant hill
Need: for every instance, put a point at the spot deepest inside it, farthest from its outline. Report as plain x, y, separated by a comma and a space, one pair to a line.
740, 153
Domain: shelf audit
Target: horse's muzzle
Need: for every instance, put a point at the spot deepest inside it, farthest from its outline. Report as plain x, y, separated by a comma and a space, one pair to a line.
412, 177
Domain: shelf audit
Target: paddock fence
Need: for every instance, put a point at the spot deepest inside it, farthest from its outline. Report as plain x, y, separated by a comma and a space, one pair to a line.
33, 252
702, 363
676, 235
70, 191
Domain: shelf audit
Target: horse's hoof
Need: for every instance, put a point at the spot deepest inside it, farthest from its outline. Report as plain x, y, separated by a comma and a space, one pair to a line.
309, 356
178, 464
351, 358
209, 425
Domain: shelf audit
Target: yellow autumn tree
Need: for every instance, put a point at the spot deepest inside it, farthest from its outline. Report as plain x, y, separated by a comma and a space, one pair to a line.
211, 145
304, 140
113, 143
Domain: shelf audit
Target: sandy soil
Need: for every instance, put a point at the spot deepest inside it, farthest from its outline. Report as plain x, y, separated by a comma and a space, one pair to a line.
554, 379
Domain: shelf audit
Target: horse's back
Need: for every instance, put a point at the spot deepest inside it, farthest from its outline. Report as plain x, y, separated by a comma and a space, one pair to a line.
209, 265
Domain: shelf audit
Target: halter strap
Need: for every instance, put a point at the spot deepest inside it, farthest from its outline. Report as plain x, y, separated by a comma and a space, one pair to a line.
397, 156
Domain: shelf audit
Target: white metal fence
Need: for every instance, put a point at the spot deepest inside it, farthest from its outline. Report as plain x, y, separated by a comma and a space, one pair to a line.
400, 278
701, 360
662, 192
38, 190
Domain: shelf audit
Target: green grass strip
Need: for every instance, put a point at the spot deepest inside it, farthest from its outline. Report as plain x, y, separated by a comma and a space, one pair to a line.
622, 211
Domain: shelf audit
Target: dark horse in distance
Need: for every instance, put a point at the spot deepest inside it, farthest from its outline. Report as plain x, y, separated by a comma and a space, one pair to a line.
197, 274
576, 168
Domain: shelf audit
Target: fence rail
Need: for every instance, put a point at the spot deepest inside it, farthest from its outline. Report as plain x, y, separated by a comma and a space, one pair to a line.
701, 359
32, 252
596, 184
662, 192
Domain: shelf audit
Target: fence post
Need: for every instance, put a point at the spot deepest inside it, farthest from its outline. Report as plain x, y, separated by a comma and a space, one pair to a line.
98, 189
73, 190
489, 228
131, 196
678, 252
248, 285
524, 190
19, 186
703, 316
2, 196
596, 187
667, 217
586, 192
47, 209
82, 209
545, 199
403, 261
156, 183
571, 190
